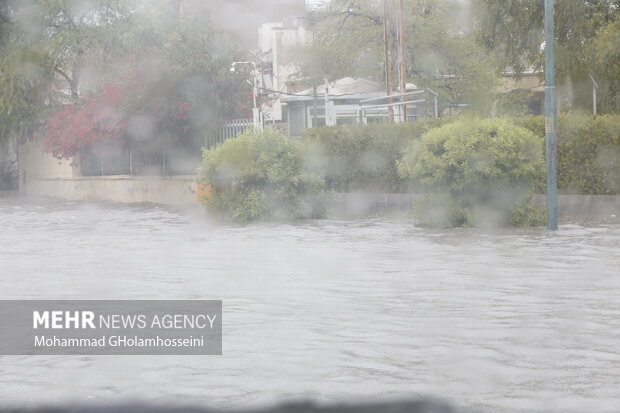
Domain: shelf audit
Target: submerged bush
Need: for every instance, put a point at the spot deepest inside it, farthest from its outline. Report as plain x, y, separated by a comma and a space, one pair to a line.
475, 171
261, 176
528, 213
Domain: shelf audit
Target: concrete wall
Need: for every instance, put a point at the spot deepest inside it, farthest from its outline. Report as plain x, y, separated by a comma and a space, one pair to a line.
571, 208
178, 190
43, 175
588, 208
34, 164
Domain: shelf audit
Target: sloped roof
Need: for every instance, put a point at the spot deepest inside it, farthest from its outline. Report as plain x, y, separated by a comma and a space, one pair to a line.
347, 86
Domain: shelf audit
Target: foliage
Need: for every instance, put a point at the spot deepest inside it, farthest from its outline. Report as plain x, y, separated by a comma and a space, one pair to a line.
484, 167
606, 60
586, 42
441, 210
43, 38
185, 60
346, 36
172, 88
261, 176
362, 157
527, 213
59, 52
80, 126
75, 33
514, 103
25, 79
349, 41
588, 152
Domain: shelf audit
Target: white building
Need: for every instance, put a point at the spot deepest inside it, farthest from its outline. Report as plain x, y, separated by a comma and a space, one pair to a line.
337, 103
277, 42
354, 100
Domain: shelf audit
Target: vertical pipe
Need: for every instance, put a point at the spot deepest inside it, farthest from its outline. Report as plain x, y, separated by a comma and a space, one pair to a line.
315, 122
163, 161
387, 37
551, 119
594, 100
402, 63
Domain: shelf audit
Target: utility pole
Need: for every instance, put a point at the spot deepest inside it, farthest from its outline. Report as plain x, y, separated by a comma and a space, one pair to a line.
387, 35
402, 63
315, 114
551, 119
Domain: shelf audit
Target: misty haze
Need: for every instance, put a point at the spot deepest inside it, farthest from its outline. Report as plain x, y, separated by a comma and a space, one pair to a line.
309, 206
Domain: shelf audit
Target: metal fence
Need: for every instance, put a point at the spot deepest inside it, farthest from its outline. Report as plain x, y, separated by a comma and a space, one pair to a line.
155, 159
230, 130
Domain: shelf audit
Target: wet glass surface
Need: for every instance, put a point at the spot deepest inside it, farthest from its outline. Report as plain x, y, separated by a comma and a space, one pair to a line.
513, 320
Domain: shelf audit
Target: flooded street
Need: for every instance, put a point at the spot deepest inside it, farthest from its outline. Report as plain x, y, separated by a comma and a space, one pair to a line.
366, 310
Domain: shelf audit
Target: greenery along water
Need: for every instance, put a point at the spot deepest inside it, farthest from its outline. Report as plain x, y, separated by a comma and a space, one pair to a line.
475, 171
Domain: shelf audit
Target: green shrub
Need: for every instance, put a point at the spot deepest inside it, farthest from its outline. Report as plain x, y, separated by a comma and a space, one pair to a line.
442, 210
261, 176
362, 157
527, 213
475, 170
588, 152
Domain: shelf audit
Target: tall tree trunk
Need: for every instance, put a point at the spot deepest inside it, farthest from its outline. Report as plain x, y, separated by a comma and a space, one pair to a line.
75, 80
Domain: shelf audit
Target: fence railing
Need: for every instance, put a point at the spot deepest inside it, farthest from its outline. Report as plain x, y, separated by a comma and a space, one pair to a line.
229, 130
118, 158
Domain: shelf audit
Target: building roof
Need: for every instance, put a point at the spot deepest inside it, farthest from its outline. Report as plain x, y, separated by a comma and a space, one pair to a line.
345, 88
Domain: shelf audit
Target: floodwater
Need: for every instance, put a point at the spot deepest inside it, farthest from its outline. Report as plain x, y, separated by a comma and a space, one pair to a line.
356, 311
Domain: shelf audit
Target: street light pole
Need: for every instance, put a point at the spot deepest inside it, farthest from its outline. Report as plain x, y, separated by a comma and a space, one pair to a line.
256, 116
402, 63
551, 119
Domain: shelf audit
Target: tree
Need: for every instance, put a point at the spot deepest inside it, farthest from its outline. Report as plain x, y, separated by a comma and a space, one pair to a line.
606, 66
173, 86
77, 127
74, 31
513, 31
57, 50
42, 38
441, 53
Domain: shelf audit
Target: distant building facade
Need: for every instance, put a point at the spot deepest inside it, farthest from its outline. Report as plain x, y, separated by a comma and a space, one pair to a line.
277, 42
336, 103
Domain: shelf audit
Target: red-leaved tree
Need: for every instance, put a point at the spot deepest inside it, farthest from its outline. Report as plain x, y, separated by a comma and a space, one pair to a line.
80, 125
